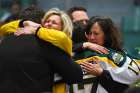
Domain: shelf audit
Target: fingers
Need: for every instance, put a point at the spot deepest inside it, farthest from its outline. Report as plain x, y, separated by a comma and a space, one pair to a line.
19, 32
102, 50
30, 23
86, 64
94, 69
87, 67
97, 48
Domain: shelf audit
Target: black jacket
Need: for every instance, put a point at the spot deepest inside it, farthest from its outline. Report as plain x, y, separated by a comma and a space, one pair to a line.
27, 65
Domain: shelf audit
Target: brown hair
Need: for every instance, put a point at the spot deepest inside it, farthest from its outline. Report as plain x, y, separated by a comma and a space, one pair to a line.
113, 37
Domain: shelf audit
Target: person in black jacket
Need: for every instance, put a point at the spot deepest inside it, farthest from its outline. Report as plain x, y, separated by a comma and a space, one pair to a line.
28, 65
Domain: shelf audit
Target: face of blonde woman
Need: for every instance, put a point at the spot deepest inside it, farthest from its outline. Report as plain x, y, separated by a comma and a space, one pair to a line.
96, 35
53, 22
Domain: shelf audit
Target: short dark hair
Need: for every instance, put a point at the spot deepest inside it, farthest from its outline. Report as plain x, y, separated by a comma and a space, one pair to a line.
113, 38
75, 8
32, 13
78, 35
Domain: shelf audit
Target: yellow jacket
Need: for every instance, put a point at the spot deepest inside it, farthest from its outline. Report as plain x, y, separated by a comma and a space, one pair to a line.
8, 28
57, 38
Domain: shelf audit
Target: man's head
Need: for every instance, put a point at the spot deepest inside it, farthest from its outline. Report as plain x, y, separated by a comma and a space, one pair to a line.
78, 35
32, 13
78, 14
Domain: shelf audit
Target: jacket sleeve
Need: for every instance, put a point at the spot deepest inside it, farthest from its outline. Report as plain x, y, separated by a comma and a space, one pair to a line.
128, 73
9, 27
62, 64
111, 85
57, 38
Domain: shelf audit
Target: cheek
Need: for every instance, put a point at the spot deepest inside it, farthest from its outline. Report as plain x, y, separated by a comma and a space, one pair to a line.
59, 27
45, 25
101, 40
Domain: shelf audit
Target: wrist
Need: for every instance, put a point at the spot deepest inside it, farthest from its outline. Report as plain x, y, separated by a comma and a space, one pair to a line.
36, 31
85, 45
21, 23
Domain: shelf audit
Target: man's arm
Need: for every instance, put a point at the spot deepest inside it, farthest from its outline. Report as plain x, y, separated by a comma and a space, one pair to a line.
62, 64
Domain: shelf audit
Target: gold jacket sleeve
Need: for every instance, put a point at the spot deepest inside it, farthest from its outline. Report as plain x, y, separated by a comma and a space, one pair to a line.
57, 38
8, 28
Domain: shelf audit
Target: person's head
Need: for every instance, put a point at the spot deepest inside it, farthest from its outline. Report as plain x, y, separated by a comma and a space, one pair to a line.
59, 20
32, 13
78, 35
102, 31
78, 14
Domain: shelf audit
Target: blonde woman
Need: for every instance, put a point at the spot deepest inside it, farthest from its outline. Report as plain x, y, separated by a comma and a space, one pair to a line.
57, 19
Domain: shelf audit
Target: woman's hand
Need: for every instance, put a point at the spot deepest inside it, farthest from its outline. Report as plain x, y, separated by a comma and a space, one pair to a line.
90, 68
95, 47
31, 23
27, 30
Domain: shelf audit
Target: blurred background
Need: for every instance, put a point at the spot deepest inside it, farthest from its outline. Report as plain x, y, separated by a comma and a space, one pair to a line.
125, 13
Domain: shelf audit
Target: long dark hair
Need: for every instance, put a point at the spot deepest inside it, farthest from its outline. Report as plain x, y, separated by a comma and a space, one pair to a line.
113, 37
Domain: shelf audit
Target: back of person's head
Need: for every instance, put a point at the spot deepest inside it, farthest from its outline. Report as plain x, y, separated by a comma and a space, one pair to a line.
32, 13
112, 34
67, 26
78, 35
76, 8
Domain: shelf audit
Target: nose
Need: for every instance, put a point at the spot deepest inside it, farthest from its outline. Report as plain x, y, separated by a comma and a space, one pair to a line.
92, 36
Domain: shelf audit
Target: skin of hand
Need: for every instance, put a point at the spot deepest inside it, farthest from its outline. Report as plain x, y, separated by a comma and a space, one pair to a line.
95, 47
93, 69
29, 28
31, 23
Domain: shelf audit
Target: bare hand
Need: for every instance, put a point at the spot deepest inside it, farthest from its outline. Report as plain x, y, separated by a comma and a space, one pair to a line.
95, 47
94, 69
27, 30
31, 23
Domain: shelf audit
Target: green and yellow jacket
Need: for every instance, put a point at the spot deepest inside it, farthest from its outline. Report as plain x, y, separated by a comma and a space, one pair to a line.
121, 67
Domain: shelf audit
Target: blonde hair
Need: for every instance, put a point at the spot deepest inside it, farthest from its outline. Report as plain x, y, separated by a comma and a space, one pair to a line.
67, 25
